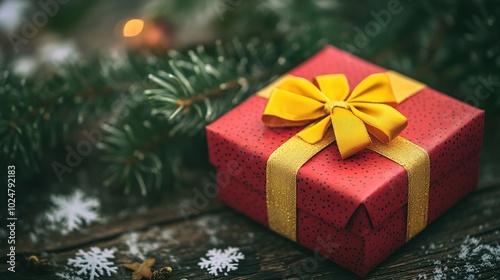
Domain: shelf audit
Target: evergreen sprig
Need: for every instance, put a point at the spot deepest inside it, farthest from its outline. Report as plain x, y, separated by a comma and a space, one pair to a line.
19, 139
189, 90
151, 110
39, 114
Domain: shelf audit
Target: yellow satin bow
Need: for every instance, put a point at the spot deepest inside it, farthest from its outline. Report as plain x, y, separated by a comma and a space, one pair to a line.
368, 109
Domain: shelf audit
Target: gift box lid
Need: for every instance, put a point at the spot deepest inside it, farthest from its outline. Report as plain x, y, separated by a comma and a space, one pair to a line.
366, 186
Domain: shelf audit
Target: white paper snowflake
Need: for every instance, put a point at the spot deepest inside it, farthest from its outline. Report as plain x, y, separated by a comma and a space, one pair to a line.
72, 212
140, 248
221, 261
94, 263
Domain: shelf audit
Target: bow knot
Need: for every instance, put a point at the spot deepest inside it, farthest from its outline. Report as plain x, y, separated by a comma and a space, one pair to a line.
367, 110
330, 104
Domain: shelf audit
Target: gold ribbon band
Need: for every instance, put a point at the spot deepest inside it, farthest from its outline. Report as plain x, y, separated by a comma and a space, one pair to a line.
281, 177
285, 162
417, 164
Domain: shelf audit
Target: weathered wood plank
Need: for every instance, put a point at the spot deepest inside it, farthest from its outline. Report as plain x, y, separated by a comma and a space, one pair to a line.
118, 219
463, 241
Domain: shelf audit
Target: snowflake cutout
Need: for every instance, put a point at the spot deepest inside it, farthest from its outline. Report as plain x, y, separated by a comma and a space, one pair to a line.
140, 248
94, 262
221, 261
72, 212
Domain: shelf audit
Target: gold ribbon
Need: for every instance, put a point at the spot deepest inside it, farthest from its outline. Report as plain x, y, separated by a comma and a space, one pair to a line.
418, 167
295, 101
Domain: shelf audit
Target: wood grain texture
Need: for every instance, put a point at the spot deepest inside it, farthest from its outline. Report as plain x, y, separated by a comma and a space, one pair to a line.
464, 241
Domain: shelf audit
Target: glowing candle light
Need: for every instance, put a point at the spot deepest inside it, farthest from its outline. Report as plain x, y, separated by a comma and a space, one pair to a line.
133, 27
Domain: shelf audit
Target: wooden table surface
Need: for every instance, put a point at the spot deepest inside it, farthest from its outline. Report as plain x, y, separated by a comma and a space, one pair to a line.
464, 242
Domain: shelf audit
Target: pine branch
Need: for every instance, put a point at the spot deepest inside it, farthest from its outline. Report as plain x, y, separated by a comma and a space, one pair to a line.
190, 90
36, 115
145, 141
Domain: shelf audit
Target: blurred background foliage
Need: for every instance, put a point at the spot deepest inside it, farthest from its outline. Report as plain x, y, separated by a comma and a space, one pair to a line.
69, 68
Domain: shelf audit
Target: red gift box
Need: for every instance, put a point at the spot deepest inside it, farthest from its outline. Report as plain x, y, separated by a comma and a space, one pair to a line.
354, 210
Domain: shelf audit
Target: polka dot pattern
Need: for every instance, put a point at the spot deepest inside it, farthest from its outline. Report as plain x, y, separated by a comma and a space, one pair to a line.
357, 197
358, 247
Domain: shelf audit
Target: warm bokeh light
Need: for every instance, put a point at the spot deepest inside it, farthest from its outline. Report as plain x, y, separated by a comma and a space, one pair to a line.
133, 27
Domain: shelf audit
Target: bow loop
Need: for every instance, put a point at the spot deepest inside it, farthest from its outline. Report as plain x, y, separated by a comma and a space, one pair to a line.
368, 110
375, 88
334, 86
